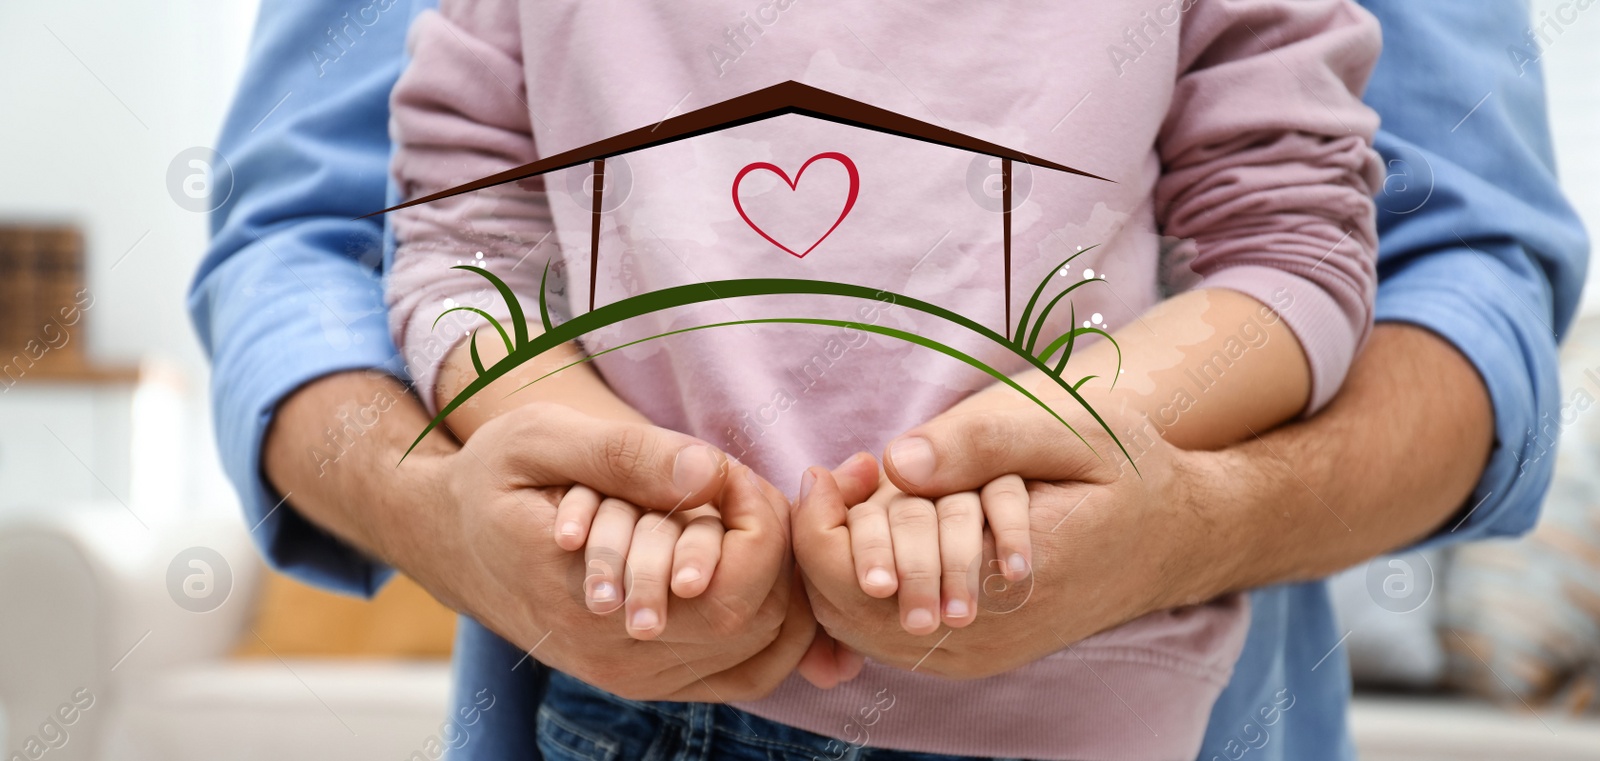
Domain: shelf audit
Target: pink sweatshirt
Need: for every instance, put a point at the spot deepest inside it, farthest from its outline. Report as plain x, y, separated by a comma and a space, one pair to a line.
1240, 156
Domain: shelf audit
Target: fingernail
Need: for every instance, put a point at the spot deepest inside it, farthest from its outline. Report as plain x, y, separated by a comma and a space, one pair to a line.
694, 468
603, 591
807, 480
570, 528
913, 459
644, 619
688, 575
851, 460
879, 577
919, 618
1017, 563
956, 609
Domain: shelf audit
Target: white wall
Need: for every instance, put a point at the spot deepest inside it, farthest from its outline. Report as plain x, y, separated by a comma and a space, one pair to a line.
96, 99
99, 96
1572, 76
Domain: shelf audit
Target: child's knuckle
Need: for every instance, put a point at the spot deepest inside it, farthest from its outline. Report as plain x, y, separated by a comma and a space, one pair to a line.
957, 570
918, 573
914, 513
1006, 489
1012, 536
644, 582
873, 545
955, 520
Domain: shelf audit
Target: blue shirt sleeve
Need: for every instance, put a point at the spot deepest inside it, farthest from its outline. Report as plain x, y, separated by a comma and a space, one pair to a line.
289, 289
1476, 242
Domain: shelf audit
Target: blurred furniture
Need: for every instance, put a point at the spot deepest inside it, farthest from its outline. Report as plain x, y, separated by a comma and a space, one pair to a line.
43, 300
68, 420
100, 657
1391, 606
89, 605
401, 621
1521, 619
1434, 728
40, 265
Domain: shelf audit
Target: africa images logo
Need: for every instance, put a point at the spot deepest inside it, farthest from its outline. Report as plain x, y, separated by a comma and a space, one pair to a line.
1024, 339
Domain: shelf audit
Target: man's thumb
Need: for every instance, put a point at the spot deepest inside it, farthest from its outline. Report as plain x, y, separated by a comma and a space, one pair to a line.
651, 467
963, 452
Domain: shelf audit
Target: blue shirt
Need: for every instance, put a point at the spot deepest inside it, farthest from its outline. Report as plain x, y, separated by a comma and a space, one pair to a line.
1477, 245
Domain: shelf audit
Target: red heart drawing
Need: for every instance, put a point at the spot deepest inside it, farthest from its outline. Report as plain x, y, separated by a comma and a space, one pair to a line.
849, 201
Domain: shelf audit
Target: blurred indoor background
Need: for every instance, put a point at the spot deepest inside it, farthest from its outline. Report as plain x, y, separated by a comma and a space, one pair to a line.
128, 587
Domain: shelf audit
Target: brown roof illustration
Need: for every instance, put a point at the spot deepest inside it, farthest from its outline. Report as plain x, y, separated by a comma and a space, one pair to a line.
778, 100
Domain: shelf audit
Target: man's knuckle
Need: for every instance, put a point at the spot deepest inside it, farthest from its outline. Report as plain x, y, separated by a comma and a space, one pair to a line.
769, 619
624, 451
989, 439
728, 616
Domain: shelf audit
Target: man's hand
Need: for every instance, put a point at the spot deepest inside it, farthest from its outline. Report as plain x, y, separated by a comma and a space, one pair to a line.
1104, 545
1381, 466
473, 526
510, 574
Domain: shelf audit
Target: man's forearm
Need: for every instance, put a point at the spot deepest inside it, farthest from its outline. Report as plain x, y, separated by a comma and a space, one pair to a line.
1391, 459
360, 496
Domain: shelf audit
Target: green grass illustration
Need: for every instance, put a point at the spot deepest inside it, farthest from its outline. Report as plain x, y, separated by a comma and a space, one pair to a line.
520, 348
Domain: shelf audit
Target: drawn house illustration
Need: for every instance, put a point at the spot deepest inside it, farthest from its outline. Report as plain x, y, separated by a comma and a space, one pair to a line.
778, 100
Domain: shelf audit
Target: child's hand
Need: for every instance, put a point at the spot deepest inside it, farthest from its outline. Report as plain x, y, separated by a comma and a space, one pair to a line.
929, 551
633, 556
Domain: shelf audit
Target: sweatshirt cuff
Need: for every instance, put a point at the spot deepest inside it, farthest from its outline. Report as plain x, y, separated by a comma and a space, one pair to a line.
426, 346
1315, 318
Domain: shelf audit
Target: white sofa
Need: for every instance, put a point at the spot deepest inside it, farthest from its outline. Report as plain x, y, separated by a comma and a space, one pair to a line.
84, 604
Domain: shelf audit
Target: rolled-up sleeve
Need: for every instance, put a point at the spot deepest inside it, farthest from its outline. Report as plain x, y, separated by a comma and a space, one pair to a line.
1268, 167
1477, 243
289, 290
453, 124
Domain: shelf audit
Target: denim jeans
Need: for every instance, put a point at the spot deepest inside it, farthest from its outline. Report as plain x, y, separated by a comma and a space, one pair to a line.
497, 690
582, 723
